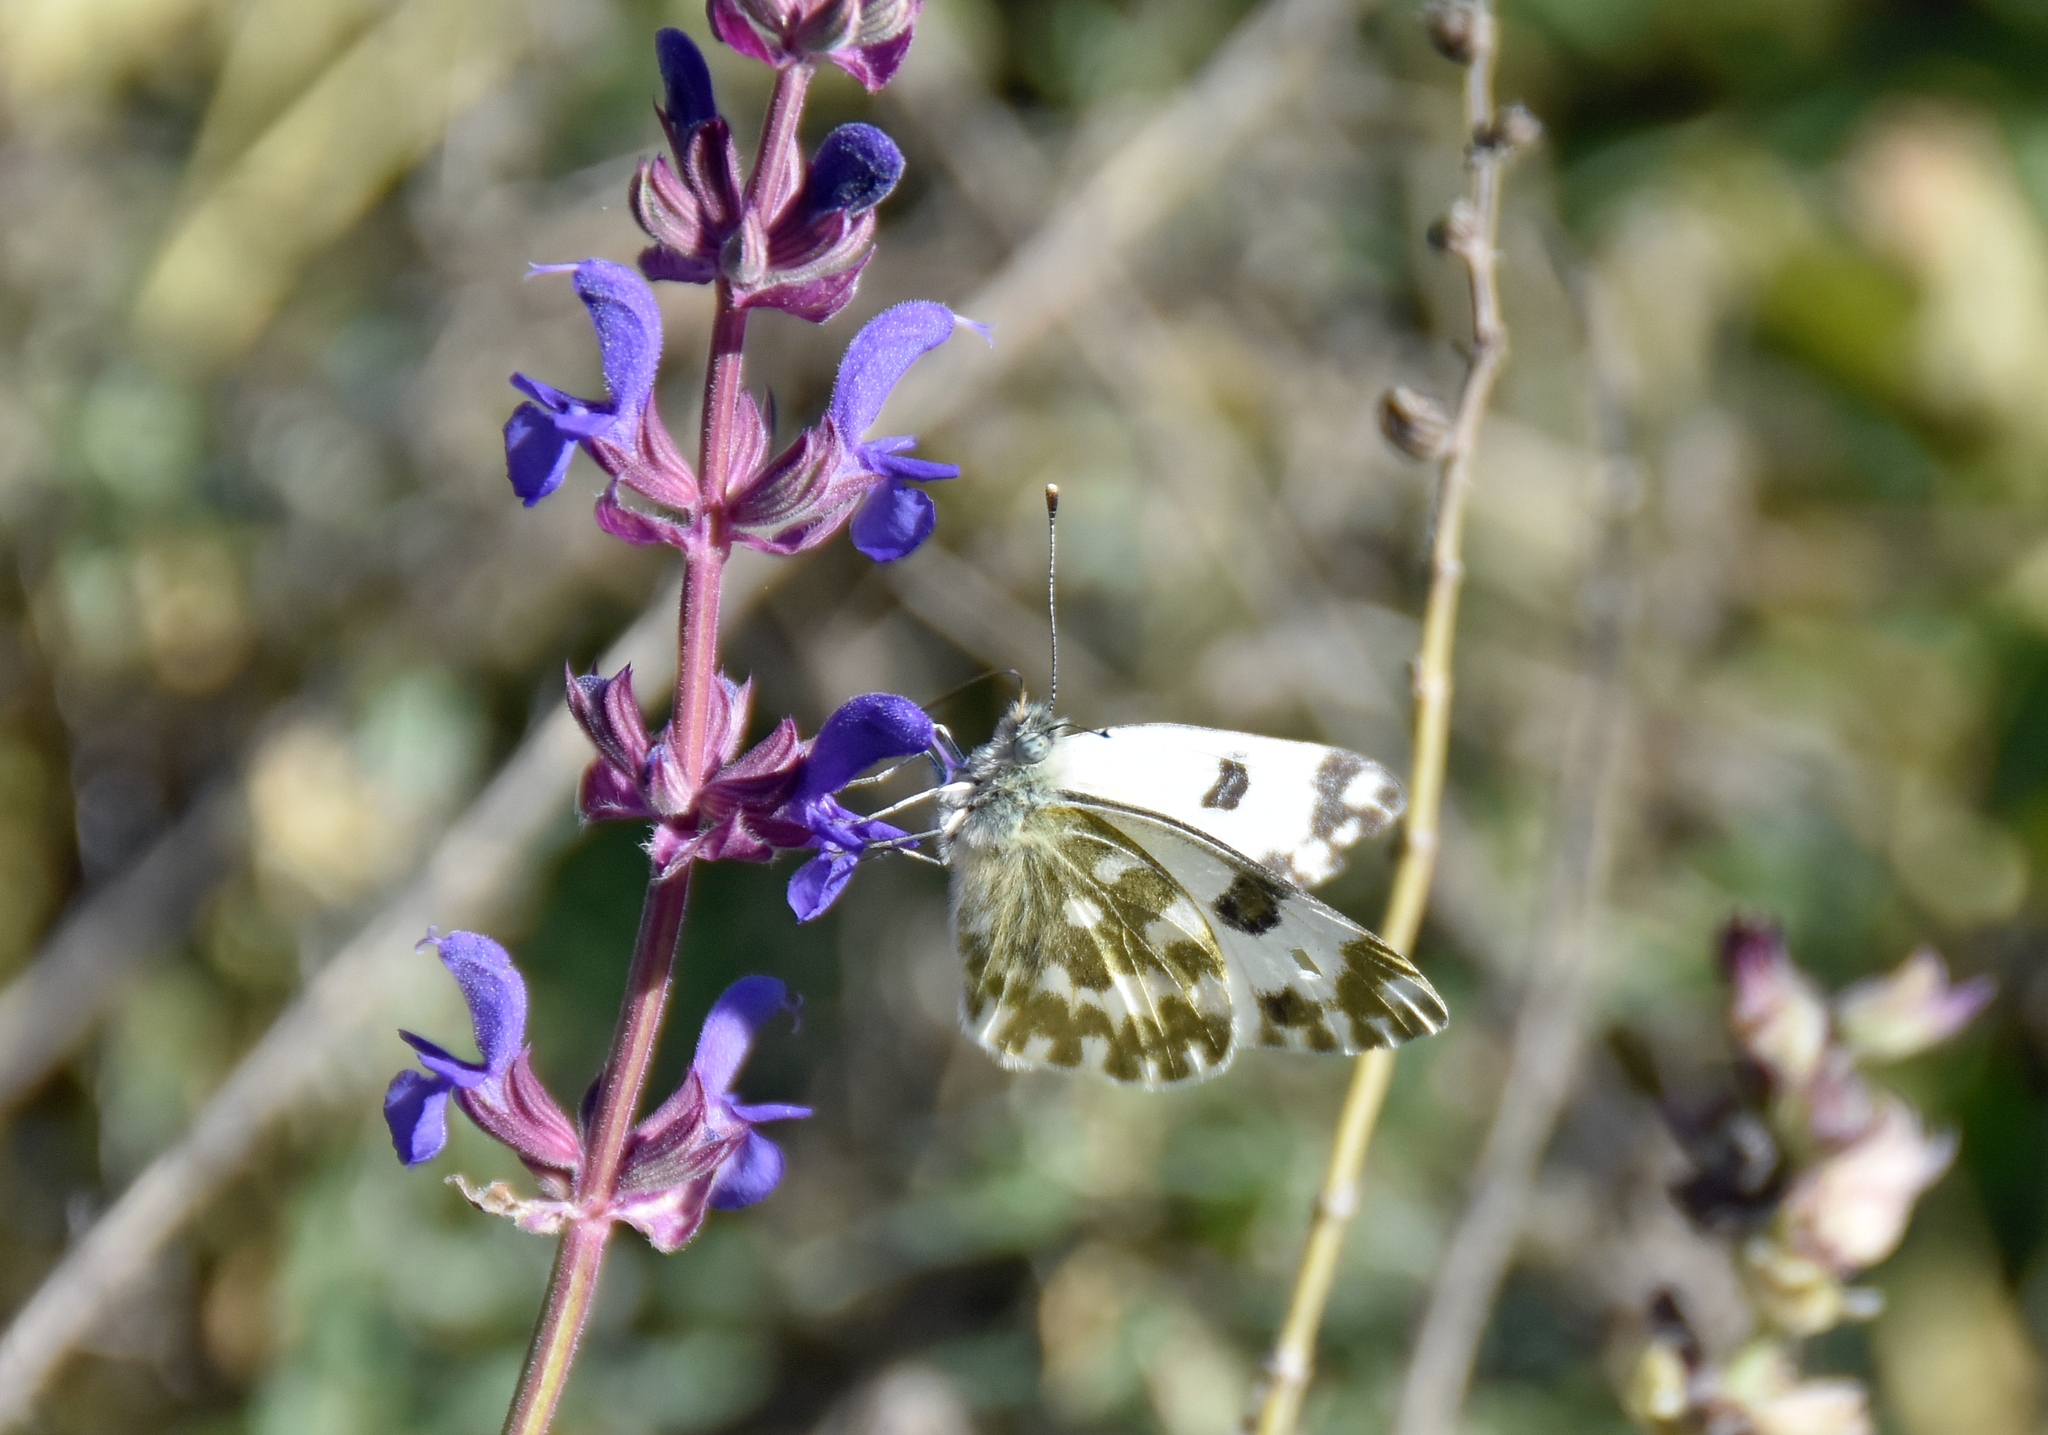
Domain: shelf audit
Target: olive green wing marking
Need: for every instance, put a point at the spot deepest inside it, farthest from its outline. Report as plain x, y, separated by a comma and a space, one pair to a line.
1304, 976
1083, 953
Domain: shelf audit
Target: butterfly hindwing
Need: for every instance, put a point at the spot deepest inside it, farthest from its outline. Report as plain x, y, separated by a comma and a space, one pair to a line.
1292, 806
1304, 976
1083, 952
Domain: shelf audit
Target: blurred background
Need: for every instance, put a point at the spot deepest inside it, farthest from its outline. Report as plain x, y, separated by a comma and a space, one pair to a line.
1757, 618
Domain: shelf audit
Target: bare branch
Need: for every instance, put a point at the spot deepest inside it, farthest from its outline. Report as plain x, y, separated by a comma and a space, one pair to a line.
1549, 1029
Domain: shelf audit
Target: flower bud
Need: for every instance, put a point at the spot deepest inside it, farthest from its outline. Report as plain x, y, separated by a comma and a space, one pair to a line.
1415, 423
1456, 28
866, 38
1457, 231
1514, 128
1775, 1010
1657, 1386
685, 80
1799, 1296
854, 170
1762, 1394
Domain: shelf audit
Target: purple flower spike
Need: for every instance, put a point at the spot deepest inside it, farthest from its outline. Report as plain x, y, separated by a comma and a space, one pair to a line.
855, 169
892, 519
865, 730
500, 1093
700, 1149
541, 436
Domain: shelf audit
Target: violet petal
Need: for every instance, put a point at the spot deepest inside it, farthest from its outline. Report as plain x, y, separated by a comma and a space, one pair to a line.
875, 65
880, 354
495, 991
537, 453
748, 1175
916, 470
628, 322
816, 885
416, 1110
444, 1063
732, 26
578, 418
862, 732
729, 1031
892, 521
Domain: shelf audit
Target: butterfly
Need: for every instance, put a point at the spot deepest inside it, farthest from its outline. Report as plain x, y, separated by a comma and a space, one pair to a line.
1130, 901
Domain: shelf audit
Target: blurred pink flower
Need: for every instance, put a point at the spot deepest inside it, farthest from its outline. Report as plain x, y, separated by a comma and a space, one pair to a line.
1851, 1210
1916, 1007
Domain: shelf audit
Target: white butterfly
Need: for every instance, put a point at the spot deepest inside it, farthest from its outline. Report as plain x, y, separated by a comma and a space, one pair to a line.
1130, 901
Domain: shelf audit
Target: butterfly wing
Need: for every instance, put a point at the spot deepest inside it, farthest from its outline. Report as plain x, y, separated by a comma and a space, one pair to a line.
1304, 976
1082, 952
1292, 806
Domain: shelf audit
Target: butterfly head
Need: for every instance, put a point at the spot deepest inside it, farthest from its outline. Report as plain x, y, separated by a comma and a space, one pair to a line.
1024, 736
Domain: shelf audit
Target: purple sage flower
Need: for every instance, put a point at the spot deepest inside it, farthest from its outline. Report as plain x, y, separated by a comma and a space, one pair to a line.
700, 1148
866, 38
501, 1093
893, 518
800, 498
865, 730
542, 435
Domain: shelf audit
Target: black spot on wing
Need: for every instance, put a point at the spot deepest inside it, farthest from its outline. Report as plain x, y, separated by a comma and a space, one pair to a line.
1232, 782
1251, 903
1331, 814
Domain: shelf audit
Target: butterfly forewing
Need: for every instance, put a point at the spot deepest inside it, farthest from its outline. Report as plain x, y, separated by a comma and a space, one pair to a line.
1304, 976
1291, 806
1082, 952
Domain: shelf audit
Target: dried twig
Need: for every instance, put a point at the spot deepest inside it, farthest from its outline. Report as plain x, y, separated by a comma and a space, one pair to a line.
1470, 233
108, 938
1548, 1030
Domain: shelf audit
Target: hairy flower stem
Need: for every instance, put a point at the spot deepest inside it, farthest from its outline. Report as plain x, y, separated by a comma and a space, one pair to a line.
1472, 238
572, 1286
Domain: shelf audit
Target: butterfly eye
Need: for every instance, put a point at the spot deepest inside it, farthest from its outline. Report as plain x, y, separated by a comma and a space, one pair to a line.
1032, 746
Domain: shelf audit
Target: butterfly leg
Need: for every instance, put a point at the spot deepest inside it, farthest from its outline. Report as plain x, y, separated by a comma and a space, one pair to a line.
910, 801
885, 774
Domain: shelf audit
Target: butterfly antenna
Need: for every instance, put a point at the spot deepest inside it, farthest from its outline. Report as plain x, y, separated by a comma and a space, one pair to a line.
1052, 587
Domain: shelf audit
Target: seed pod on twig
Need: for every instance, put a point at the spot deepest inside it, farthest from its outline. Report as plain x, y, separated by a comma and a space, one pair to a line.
1457, 231
1456, 28
1415, 423
1514, 128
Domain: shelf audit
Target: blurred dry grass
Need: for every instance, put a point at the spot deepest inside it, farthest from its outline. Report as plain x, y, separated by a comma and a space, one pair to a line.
260, 284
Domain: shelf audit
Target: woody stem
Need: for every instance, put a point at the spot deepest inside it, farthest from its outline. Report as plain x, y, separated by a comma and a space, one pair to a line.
1293, 1359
